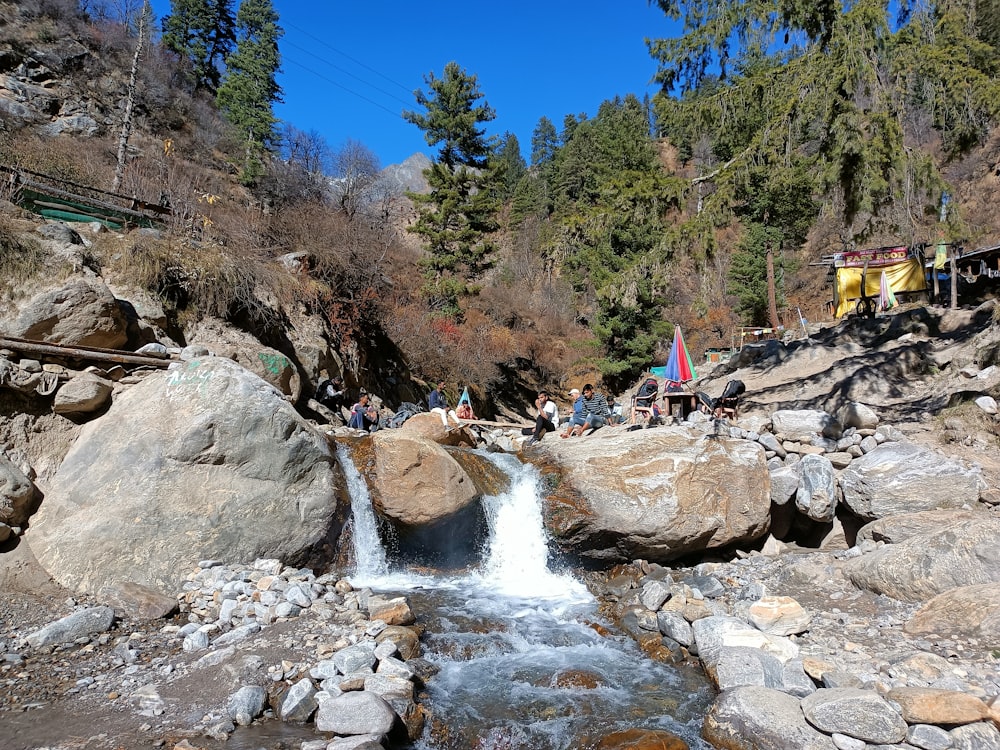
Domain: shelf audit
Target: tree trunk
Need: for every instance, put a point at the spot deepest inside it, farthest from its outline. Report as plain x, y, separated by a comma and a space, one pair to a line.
772, 295
130, 101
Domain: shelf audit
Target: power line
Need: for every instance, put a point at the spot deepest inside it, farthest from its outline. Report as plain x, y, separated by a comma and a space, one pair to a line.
353, 60
285, 58
347, 72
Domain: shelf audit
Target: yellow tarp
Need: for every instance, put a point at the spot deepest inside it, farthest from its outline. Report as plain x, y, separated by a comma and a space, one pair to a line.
904, 277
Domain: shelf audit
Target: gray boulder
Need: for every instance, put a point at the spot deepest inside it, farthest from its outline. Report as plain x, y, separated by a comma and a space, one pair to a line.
760, 718
656, 494
904, 478
356, 712
82, 312
804, 424
80, 624
816, 495
18, 494
204, 462
785, 483
82, 394
963, 553
859, 416
862, 714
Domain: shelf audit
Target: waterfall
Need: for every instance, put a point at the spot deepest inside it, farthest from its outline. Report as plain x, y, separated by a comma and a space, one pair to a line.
369, 554
516, 558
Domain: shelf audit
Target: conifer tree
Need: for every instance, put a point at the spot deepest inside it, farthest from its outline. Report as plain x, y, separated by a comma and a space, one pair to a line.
250, 88
457, 217
544, 142
508, 165
203, 33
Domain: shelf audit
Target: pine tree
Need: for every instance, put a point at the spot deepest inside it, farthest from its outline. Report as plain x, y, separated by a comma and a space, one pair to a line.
544, 142
250, 88
457, 217
203, 33
508, 165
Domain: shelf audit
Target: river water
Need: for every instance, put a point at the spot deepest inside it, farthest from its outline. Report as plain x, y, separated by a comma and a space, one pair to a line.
522, 662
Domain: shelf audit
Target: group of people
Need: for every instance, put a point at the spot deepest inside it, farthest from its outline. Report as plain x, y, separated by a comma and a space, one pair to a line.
591, 410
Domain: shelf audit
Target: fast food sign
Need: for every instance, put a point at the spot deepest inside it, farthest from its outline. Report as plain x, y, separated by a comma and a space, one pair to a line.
875, 258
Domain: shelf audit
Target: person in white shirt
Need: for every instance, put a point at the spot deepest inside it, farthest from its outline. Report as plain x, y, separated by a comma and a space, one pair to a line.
548, 417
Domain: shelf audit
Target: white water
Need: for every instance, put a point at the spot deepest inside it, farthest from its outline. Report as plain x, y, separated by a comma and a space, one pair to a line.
502, 635
369, 554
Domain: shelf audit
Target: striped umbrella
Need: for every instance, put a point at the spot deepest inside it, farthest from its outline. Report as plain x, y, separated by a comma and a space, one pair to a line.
680, 369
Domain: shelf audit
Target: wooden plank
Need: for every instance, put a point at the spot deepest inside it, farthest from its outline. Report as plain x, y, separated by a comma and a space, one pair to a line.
488, 423
86, 353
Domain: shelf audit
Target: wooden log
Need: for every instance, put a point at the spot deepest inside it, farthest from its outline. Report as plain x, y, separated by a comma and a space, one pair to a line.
488, 423
86, 353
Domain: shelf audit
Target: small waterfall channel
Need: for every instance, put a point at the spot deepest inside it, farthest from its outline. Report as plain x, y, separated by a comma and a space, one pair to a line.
522, 662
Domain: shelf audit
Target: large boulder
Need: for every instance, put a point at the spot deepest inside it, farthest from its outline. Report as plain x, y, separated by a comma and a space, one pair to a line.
416, 482
206, 461
656, 494
905, 478
804, 424
431, 427
963, 553
81, 312
965, 612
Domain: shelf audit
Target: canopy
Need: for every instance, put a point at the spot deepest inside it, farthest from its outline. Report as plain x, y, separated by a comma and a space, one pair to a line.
679, 368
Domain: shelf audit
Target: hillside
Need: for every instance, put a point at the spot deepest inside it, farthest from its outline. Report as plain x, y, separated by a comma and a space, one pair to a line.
585, 279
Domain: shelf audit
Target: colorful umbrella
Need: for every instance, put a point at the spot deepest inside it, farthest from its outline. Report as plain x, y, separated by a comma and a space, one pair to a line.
886, 299
680, 369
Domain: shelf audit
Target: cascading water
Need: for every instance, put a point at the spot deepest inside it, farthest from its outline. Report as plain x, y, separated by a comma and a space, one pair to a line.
521, 662
369, 554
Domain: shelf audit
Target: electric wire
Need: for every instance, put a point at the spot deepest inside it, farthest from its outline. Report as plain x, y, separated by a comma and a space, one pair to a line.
352, 59
346, 72
319, 75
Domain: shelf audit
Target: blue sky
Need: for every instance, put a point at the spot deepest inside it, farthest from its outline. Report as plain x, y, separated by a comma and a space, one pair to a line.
350, 68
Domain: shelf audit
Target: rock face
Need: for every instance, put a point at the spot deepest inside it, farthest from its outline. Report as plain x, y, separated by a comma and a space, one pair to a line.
82, 312
961, 554
657, 494
904, 478
206, 461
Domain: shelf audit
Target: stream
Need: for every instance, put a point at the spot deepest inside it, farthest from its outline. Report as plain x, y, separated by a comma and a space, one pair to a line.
522, 662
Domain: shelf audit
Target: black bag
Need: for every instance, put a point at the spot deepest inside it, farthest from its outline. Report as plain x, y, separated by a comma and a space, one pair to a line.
647, 393
733, 389
406, 410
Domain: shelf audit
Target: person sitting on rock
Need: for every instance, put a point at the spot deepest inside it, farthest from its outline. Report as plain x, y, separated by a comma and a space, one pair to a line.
548, 417
330, 392
577, 418
595, 411
437, 403
363, 414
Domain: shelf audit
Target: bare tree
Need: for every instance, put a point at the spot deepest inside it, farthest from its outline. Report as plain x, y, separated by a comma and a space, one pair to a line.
356, 167
144, 21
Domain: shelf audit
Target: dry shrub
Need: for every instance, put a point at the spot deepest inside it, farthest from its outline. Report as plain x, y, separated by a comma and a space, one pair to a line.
86, 161
200, 279
22, 260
